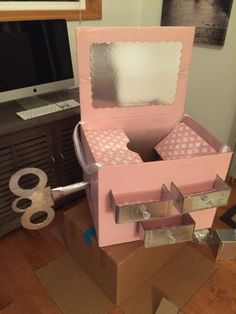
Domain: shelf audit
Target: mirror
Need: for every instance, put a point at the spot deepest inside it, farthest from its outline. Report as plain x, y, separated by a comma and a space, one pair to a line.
134, 74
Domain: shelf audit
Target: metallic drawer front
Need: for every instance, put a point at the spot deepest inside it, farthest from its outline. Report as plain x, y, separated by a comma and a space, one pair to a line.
224, 244
166, 231
218, 196
139, 209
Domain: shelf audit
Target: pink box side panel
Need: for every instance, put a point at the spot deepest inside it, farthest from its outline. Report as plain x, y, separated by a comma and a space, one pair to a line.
149, 176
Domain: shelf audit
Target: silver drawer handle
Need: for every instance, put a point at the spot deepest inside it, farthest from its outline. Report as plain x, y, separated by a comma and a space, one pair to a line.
145, 213
171, 238
206, 199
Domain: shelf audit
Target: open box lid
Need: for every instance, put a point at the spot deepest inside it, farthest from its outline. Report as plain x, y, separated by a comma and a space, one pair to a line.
127, 72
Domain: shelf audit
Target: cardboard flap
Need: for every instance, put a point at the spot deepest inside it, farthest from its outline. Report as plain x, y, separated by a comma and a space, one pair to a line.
188, 270
177, 281
166, 307
106, 55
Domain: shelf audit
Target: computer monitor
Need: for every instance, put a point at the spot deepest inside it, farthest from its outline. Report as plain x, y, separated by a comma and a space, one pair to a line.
34, 58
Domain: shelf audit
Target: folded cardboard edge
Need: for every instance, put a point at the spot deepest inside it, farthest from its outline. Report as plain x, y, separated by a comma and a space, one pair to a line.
148, 296
188, 270
167, 307
110, 256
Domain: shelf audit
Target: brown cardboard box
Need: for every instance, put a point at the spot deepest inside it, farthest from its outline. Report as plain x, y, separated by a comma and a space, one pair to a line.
178, 280
136, 279
76, 293
119, 269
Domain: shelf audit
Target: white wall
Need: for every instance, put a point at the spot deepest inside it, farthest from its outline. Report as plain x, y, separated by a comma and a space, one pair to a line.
114, 13
211, 97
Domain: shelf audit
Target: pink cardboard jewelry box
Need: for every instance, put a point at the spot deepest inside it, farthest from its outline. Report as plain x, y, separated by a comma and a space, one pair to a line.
133, 83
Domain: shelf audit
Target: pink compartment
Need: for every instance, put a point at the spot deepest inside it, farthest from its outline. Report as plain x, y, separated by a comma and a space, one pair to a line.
109, 147
141, 128
186, 140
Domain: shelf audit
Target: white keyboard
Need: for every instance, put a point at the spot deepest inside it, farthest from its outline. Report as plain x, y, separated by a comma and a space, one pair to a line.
44, 110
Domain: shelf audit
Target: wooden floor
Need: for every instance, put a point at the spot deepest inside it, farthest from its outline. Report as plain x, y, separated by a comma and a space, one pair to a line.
22, 252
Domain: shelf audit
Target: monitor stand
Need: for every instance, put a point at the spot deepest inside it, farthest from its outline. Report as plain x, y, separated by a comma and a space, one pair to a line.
32, 102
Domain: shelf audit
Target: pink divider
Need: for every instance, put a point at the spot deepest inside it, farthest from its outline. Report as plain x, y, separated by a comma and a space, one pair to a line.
183, 142
110, 147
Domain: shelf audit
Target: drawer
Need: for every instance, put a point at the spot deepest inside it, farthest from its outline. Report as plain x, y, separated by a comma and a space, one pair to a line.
165, 231
224, 244
211, 194
141, 206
